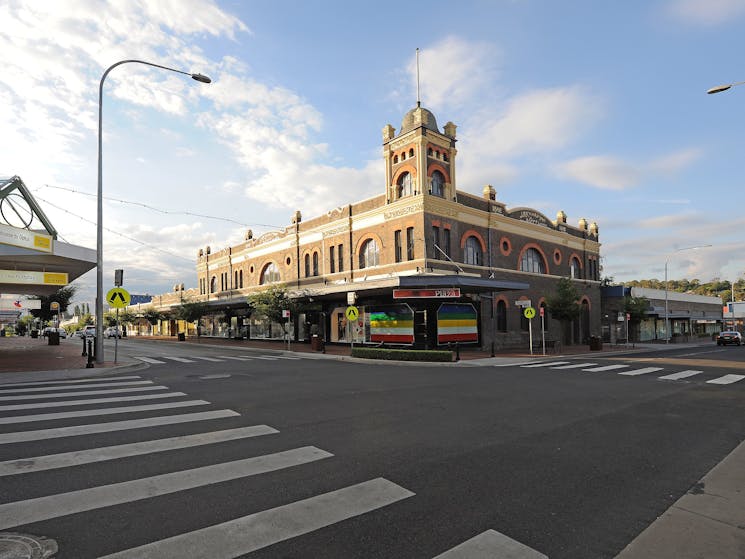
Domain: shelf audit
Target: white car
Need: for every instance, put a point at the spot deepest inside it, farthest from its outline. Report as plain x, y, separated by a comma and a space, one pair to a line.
90, 332
112, 332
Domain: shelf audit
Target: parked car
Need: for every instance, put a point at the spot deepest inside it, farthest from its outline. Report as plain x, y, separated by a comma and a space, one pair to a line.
729, 337
61, 331
112, 332
90, 331
79, 334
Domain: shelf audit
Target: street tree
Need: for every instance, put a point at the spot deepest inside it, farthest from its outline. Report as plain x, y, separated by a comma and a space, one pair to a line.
62, 296
269, 303
563, 306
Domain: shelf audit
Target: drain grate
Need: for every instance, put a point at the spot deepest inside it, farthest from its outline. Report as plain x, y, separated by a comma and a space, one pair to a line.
26, 546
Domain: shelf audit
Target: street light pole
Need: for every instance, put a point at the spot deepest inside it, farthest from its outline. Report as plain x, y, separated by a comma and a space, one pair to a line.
667, 314
720, 88
99, 223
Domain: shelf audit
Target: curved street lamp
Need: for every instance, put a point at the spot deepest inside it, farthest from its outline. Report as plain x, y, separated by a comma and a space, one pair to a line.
99, 223
667, 315
720, 88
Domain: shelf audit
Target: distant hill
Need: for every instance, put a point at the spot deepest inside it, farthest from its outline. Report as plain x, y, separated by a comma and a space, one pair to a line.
713, 288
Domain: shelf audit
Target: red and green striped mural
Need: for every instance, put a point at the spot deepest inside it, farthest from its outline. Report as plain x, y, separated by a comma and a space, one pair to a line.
457, 322
392, 324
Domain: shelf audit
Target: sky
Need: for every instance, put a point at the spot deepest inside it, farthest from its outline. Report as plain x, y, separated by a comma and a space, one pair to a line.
598, 109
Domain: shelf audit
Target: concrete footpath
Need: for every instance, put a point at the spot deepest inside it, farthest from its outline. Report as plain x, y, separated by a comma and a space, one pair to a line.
708, 522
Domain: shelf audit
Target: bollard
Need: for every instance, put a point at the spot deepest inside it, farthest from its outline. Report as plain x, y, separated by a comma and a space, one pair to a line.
457, 351
492, 349
84, 352
89, 365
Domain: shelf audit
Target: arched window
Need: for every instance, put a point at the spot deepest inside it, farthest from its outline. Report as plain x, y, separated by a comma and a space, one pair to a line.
404, 185
501, 316
429, 152
213, 284
235, 283
315, 263
437, 184
270, 274
395, 159
240, 279
307, 265
411, 152
369, 253
532, 261
472, 252
574, 269
444, 156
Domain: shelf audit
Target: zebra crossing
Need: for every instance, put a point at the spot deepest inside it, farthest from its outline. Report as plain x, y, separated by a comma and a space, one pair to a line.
163, 359
226, 539
624, 369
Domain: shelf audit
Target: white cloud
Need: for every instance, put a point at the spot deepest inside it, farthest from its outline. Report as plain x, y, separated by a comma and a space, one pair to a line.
706, 12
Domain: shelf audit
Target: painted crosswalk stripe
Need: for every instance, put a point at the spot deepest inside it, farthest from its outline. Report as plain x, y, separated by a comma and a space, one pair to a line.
546, 364
238, 537
726, 379
575, 366
90, 401
491, 544
208, 359
91, 428
102, 411
235, 358
644, 371
39, 396
179, 359
53, 506
287, 357
67, 459
681, 374
265, 358
68, 381
606, 368
149, 360
74, 387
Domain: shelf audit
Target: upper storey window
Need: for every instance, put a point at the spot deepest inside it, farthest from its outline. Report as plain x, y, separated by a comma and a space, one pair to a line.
473, 254
532, 261
404, 185
574, 269
369, 254
270, 274
437, 184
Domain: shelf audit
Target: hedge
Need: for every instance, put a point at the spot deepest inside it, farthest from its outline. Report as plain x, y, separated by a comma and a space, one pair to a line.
402, 354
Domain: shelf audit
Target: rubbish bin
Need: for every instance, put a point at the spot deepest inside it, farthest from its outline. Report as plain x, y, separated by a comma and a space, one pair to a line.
316, 342
596, 343
53, 338
181, 336
34, 333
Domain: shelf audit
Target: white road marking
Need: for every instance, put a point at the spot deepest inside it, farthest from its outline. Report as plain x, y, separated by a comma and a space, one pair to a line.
288, 358
67, 459
681, 374
643, 371
38, 396
53, 506
103, 411
235, 358
547, 364
606, 368
149, 360
179, 359
71, 381
208, 359
77, 430
575, 366
490, 545
238, 537
75, 387
90, 401
726, 379
265, 358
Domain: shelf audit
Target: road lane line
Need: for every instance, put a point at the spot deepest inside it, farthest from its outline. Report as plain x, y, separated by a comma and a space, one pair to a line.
238, 537
39, 396
69, 381
77, 430
179, 359
489, 545
236, 358
681, 374
208, 359
62, 504
606, 368
726, 379
265, 358
643, 371
75, 387
575, 366
75, 458
149, 360
90, 401
547, 364
102, 411
289, 358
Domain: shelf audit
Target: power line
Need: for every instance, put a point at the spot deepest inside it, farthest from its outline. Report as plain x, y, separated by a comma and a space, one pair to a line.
160, 210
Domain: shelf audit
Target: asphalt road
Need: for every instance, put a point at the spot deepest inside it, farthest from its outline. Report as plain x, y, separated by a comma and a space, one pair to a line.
369, 460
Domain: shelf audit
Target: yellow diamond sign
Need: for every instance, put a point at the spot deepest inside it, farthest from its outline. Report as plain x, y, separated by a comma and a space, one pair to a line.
118, 297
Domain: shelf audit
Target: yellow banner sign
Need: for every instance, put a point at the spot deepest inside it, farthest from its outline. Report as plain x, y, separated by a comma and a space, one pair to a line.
25, 238
33, 278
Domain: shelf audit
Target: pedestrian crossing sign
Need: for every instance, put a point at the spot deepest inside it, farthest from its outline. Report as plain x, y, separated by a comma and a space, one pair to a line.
118, 297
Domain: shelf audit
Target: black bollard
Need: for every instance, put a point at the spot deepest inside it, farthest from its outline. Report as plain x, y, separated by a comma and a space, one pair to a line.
84, 351
492, 349
89, 365
457, 351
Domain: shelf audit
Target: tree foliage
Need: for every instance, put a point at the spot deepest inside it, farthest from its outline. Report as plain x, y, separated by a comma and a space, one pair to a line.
62, 296
563, 304
636, 307
269, 303
190, 310
152, 315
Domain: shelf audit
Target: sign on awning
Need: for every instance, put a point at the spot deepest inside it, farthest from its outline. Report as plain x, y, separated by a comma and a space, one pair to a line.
444, 293
24, 238
33, 278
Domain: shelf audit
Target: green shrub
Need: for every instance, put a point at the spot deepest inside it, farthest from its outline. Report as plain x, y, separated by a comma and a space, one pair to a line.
402, 354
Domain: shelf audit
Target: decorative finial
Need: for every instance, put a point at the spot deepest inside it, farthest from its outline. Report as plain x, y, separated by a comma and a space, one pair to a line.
418, 100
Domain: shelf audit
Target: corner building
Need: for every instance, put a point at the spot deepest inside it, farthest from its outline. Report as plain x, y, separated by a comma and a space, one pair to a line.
426, 264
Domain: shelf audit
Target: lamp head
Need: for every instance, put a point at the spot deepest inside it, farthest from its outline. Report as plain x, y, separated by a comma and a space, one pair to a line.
201, 78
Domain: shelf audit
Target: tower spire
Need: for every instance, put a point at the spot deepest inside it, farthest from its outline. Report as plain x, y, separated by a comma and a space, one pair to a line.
418, 100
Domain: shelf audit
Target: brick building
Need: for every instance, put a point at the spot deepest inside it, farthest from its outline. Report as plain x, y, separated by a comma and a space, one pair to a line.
424, 262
